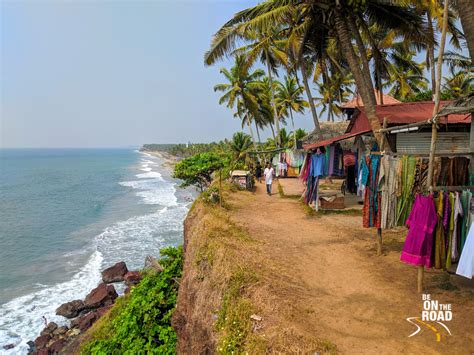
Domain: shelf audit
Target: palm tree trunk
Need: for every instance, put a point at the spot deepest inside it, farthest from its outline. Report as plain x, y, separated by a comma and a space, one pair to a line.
272, 99
258, 133
317, 127
430, 53
293, 125
252, 135
466, 13
273, 132
363, 57
362, 86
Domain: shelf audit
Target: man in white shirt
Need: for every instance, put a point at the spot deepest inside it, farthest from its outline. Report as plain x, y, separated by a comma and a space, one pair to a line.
268, 173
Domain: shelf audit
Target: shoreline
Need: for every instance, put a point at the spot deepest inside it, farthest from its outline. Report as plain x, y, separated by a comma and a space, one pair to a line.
169, 160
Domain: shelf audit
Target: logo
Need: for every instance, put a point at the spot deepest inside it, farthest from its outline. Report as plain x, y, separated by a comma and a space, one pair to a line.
433, 316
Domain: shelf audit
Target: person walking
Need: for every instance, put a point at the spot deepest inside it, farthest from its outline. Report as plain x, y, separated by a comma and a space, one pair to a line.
268, 172
258, 172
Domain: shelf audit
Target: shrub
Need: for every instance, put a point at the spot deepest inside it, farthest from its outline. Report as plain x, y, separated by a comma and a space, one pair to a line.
142, 321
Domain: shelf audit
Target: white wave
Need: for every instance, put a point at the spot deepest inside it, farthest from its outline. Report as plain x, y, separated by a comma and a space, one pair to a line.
150, 175
139, 236
21, 318
154, 191
145, 168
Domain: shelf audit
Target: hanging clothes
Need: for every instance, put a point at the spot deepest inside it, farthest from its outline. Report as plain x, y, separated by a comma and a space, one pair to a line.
466, 197
439, 244
466, 262
388, 181
457, 212
371, 211
421, 222
406, 182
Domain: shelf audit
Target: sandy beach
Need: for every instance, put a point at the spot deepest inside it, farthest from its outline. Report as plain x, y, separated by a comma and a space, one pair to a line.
169, 160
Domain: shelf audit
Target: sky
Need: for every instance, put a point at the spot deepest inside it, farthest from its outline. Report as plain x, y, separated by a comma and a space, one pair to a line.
112, 73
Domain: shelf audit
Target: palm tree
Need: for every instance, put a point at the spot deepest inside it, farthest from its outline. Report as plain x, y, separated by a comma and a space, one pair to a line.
289, 98
241, 91
325, 20
266, 47
240, 146
459, 84
466, 13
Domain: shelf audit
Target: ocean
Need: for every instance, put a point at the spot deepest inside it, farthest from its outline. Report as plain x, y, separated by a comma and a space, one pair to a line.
66, 214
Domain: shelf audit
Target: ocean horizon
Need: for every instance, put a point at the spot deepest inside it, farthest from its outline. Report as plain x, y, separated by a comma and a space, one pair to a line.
66, 214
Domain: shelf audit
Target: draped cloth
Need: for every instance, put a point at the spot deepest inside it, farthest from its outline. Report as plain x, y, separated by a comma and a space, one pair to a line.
388, 183
421, 222
371, 211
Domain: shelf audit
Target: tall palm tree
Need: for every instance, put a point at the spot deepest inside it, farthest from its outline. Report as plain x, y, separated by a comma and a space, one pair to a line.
241, 91
289, 98
327, 20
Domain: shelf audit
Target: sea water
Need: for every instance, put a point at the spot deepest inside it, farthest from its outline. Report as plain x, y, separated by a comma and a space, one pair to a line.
66, 214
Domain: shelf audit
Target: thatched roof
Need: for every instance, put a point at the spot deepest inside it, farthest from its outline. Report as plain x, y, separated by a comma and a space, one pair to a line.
329, 130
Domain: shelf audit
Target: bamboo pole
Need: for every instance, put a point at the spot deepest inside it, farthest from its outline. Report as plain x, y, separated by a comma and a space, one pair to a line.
379, 230
220, 187
434, 129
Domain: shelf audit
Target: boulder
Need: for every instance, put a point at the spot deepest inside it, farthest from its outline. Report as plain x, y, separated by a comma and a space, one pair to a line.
103, 310
42, 341
52, 326
31, 346
132, 278
102, 295
85, 322
8, 346
57, 346
127, 290
114, 273
70, 309
60, 330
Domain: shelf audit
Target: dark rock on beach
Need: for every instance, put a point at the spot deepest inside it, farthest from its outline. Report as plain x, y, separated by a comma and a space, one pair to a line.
102, 295
57, 346
85, 322
114, 273
42, 341
132, 278
70, 309
8, 346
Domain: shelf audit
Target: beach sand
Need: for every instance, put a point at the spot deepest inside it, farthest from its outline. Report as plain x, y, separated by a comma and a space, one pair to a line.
169, 160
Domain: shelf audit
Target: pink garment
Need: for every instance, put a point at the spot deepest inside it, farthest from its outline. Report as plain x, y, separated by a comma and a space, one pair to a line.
419, 241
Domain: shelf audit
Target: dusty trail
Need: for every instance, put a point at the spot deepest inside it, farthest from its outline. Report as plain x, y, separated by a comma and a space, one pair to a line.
327, 282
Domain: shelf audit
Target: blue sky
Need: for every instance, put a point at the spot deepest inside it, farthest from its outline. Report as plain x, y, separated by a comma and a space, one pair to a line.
109, 74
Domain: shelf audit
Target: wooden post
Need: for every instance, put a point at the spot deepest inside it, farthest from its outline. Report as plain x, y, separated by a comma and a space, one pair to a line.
421, 271
434, 129
220, 187
379, 241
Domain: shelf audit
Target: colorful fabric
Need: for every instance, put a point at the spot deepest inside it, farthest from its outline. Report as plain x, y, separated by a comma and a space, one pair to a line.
419, 242
466, 261
440, 250
406, 182
371, 211
388, 180
317, 164
466, 197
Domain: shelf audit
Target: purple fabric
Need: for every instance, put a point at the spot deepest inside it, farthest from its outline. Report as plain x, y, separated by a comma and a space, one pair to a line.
419, 241
331, 160
447, 211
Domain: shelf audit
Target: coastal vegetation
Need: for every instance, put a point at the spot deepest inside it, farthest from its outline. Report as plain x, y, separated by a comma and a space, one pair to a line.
367, 47
140, 322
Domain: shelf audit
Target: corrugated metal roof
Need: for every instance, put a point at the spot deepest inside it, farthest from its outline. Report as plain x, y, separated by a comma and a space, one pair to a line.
332, 140
357, 100
446, 143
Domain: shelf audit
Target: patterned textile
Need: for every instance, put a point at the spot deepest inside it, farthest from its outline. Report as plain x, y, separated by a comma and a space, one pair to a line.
406, 180
439, 249
371, 211
388, 181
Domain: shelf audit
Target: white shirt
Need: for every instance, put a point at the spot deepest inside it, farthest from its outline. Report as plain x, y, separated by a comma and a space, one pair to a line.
268, 175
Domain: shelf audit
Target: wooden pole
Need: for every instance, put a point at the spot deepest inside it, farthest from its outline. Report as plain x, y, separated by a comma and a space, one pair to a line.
434, 129
419, 285
379, 230
220, 187
379, 241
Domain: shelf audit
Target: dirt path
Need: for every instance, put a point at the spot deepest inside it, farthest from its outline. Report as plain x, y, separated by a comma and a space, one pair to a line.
327, 282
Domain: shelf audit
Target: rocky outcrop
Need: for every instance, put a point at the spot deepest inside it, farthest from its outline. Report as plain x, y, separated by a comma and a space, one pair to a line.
55, 339
132, 278
71, 309
114, 273
102, 295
